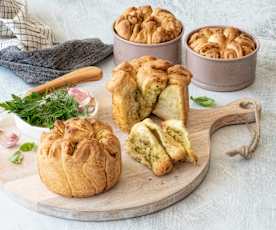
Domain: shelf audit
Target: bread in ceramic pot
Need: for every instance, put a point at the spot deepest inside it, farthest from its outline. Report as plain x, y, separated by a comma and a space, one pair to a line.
79, 158
220, 42
147, 25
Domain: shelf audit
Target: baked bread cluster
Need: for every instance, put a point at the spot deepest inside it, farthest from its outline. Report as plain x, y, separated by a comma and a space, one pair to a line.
146, 25
159, 148
149, 85
79, 158
219, 42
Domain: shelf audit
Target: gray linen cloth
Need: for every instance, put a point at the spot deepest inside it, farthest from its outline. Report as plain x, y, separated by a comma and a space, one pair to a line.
39, 66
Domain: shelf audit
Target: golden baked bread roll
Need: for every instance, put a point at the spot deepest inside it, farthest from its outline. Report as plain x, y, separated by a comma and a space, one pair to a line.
231, 33
148, 85
146, 25
247, 44
79, 158
198, 44
159, 148
219, 42
218, 38
236, 48
211, 50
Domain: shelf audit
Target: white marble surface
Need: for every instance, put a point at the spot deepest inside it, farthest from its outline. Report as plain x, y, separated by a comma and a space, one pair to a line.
236, 194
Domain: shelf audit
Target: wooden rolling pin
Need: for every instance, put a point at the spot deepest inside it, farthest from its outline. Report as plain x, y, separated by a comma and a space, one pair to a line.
85, 74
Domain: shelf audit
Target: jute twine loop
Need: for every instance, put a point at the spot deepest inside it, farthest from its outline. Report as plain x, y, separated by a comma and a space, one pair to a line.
246, 151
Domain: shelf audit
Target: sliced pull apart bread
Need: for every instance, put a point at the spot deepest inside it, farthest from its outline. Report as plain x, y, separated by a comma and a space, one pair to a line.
149, 85
160, 147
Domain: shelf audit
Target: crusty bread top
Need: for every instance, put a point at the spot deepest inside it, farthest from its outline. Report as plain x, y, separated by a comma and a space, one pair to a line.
76, 130
219, 42
155, 67
146, 25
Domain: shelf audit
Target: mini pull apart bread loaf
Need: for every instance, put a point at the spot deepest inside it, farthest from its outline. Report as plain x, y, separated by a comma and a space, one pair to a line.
159, 148
149, 85
219, 42
79, 158
146, 25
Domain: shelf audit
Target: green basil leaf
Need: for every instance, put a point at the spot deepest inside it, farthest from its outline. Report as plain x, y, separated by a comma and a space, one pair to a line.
16, 158
28, 146
204, 101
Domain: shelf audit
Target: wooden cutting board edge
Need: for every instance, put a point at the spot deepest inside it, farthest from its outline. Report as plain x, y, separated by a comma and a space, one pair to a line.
43, 208
230, 114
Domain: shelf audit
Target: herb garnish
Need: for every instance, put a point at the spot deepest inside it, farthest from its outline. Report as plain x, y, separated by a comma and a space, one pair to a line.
204, 101
28, 146
17, 157
44, 109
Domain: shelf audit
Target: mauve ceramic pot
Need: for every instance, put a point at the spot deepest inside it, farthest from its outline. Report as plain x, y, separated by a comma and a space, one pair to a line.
124, 50
220, 74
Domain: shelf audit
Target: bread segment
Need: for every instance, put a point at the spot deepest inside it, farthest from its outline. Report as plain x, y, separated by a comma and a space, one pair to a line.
176, 130
145, 148
175, 151
159, 148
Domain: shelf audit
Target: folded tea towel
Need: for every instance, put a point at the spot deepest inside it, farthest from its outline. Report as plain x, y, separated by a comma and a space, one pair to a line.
39, 66
18, 29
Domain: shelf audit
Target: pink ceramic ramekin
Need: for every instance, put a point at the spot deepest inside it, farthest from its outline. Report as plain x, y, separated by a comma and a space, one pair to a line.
124, 50
221, 74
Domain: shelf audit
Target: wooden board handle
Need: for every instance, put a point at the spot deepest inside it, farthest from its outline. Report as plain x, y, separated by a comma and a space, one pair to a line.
242, 111
85, 74
231, 114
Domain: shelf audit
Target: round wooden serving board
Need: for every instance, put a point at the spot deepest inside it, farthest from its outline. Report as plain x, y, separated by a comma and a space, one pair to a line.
138, 192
